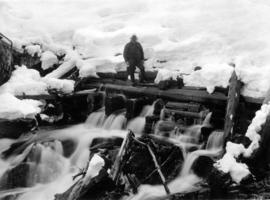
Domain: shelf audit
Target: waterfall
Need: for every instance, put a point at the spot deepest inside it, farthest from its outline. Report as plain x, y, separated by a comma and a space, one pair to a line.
138, 123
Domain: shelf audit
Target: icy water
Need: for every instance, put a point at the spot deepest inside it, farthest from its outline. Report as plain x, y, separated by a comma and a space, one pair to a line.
52, 164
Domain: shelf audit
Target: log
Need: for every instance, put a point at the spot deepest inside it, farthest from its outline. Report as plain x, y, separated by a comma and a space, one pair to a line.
184, 106
232, 104
183, 95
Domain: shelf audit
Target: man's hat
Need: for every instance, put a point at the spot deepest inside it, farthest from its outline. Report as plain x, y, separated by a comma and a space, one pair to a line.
133, 36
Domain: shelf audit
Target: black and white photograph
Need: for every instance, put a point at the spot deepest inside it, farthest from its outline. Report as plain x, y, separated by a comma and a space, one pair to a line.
134, 99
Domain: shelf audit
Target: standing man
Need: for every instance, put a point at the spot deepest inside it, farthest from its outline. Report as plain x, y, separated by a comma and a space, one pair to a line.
134, 56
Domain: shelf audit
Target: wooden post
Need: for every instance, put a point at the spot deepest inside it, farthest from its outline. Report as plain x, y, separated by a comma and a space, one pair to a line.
232, 104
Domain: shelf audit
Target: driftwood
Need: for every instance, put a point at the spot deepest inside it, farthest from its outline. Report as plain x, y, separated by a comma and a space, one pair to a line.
156, 164
118, 164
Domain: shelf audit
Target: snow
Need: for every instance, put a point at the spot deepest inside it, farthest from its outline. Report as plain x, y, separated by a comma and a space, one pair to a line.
256, 80
210, 76
28, 81
228, 163
12, 108
48, 60
33, 50
176, 35
165, 74
71, 60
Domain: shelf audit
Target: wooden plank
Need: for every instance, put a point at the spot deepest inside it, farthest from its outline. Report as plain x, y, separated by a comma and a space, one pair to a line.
232, 104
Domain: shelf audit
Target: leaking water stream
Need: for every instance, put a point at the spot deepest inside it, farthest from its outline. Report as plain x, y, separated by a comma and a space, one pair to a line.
50, 164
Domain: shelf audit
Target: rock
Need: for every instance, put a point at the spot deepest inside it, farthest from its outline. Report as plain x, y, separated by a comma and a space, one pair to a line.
18, 176
15, 128
150, 76
202, 166
69, 147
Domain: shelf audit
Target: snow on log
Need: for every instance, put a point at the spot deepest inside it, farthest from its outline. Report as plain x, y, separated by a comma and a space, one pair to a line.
228, 163
72, 59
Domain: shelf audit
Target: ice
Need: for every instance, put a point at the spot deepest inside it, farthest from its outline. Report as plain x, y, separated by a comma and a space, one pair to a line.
13, 108
48, 59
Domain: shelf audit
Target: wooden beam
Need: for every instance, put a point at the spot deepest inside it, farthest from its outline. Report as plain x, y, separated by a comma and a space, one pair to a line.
170, 94
232, 104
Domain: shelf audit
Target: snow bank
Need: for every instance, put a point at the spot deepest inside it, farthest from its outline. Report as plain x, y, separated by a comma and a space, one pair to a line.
210, 76
13, 108
228, 163
48, 59
256, 80
28, 81
180, 34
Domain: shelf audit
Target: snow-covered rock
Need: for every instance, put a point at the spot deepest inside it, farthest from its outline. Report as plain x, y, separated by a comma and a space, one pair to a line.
94, 167
13, 108
48, 59
33, 50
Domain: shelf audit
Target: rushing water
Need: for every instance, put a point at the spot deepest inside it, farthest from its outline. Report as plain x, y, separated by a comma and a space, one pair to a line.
49, 168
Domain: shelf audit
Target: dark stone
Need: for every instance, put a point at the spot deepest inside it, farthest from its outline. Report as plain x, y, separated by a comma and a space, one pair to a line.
202, 166
219, 183
241, 139
114, 103
197, 68
15, 128
149, 76
69, 147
